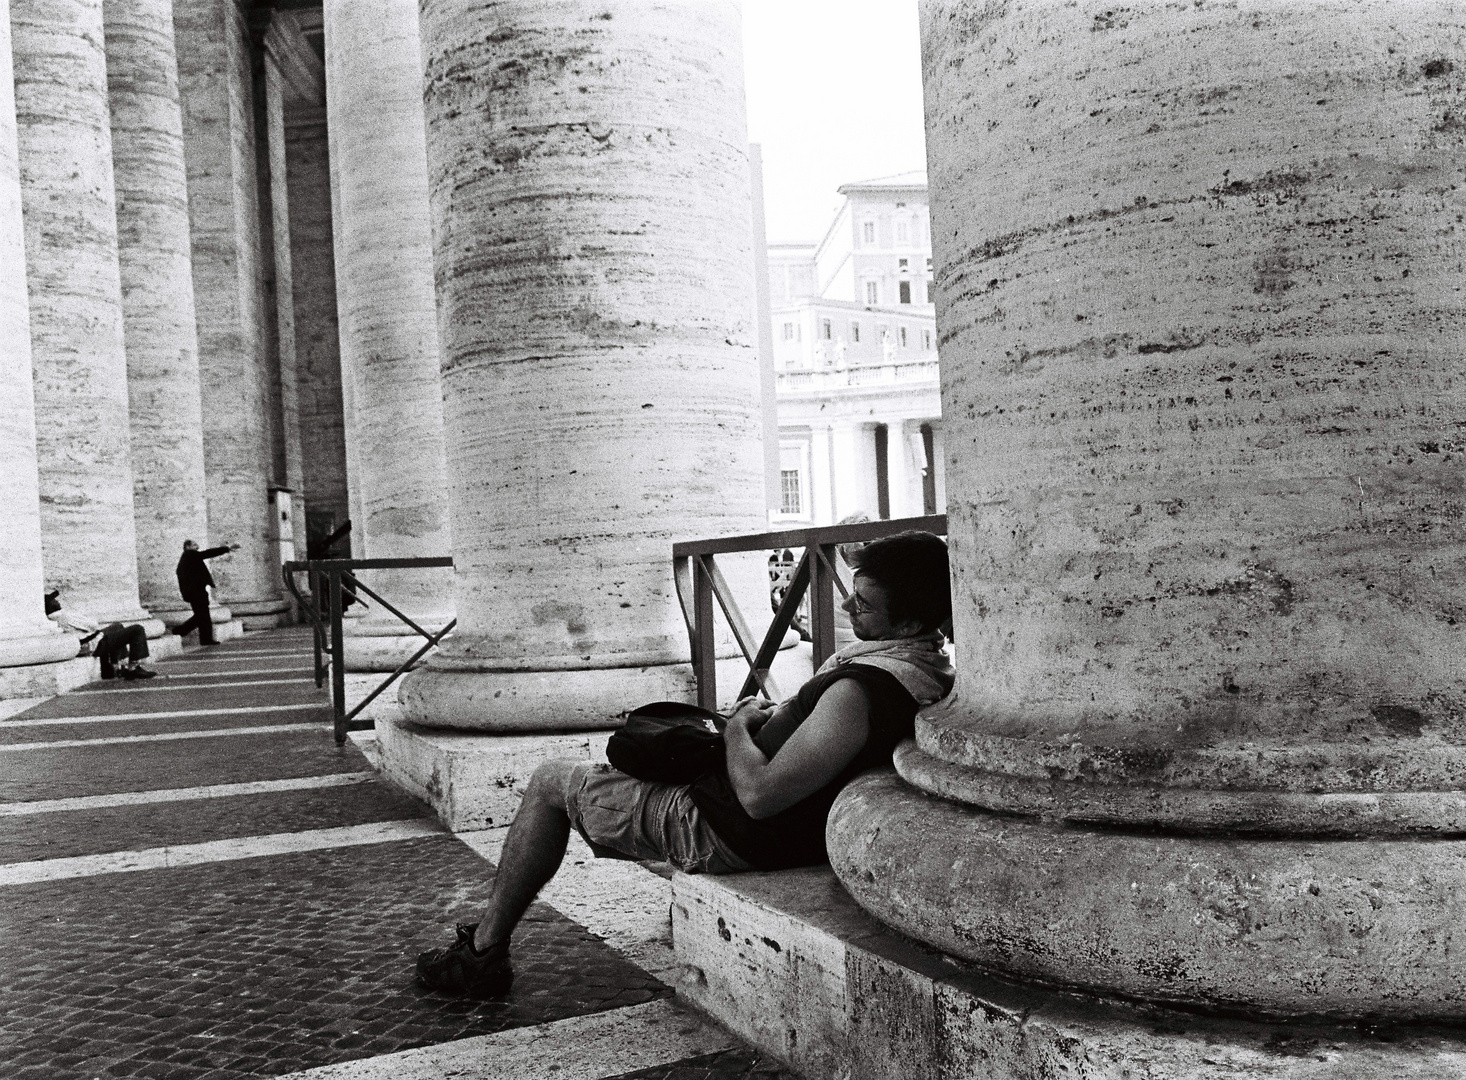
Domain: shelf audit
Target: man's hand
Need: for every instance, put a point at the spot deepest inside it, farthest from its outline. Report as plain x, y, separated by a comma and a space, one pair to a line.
751, 713
232, 547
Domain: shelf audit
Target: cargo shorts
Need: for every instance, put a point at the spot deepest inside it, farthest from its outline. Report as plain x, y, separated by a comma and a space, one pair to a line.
622, 817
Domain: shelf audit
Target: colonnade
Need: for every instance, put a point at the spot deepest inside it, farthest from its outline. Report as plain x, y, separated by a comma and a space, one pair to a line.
1201, 363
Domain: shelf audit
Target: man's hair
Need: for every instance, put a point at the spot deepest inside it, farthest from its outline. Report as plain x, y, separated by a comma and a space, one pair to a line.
187, 542
912, 568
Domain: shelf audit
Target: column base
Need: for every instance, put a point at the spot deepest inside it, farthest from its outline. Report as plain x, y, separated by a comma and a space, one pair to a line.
383, 652
1285, 927
472, 781
47, 680
260, 614
790, 963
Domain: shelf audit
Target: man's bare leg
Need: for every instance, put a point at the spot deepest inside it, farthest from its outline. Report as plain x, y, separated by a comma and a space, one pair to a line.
533, 851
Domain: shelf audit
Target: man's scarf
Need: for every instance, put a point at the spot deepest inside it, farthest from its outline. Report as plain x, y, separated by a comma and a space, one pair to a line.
919, 663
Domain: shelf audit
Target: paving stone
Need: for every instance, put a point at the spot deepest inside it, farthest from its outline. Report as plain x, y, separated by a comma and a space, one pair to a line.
333, 934
130, 828
104, 769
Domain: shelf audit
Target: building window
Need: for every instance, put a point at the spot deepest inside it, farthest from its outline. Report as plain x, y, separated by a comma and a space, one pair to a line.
903, 233
902, 333
826, 330
926, 339
788, 331
855, 332
789, 494
928, 264
902, 264
868, 232
931, 291
872, 292
905, 289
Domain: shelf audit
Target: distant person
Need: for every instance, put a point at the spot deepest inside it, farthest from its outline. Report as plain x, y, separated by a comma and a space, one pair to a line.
194, 582
120, 648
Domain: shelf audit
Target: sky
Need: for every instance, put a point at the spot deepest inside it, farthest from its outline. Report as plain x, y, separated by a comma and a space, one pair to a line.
834, 95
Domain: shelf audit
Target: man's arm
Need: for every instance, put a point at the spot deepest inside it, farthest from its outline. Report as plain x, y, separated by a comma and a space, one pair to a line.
215, 552
814, 755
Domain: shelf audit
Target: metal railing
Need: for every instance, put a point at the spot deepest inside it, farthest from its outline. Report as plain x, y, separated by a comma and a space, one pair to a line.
330, 582
699, 582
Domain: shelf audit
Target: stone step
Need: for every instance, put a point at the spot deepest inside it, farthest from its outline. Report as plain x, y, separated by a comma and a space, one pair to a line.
789, 962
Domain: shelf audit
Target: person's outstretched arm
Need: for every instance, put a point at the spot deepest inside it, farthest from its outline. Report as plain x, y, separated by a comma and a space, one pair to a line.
215, 552
814, 755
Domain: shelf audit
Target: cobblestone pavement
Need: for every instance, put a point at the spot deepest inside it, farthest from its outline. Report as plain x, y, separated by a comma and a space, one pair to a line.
233, 966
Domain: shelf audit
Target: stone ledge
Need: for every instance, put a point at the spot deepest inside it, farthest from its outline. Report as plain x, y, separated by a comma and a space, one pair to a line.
791, 963
472, 780
47, 680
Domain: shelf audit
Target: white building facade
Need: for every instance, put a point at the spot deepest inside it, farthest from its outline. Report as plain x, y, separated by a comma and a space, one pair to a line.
855, 353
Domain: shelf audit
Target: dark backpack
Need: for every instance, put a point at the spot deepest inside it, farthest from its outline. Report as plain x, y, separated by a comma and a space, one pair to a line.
666, 742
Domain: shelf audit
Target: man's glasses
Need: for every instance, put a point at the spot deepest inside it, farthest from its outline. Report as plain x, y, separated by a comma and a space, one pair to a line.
859, 606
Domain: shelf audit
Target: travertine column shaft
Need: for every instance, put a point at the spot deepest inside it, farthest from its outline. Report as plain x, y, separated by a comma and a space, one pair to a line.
26, 635
157, 296
1203, 391
214, 73
388, 318
588, 171
84, 458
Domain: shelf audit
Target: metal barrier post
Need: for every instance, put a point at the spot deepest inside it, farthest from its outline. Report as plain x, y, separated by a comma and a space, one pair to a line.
318, 633
704, 653
338, 658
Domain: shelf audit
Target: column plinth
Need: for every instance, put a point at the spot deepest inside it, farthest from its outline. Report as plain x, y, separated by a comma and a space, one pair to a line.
591, 236
1202, 376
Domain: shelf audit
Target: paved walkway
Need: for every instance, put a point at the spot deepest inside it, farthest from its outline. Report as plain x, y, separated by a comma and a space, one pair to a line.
196, 882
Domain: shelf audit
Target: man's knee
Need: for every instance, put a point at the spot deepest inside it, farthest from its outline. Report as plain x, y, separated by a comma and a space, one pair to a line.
549, 782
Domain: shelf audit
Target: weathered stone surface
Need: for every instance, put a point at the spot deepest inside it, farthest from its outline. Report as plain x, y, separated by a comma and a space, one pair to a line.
219, 148
843, 997
1287, 926
388, 317
157, 295
587, 165
472, 781
79, 366
26, 635
1201, 354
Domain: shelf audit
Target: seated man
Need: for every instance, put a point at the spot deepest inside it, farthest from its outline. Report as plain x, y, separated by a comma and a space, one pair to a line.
120, 648
766, 808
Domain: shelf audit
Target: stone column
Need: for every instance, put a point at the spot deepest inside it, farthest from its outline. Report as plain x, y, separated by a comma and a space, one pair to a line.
80, 368
214, 73
588, 170
388, 319
26, 635
157, 297
1202, 391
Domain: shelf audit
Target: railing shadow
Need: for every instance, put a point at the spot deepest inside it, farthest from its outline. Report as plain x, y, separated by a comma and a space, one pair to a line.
330, 582
699, 582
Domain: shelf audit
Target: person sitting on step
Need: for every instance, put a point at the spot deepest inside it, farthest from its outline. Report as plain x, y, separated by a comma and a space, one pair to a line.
765, 808
121, 649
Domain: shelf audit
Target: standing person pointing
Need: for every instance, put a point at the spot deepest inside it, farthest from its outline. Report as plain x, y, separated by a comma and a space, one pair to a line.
194, 581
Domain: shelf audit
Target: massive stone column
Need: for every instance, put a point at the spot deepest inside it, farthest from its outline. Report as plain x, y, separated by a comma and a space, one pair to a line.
1202, 336
588, 171
388, 319
80, 368
26, 635
157, 297
214, 73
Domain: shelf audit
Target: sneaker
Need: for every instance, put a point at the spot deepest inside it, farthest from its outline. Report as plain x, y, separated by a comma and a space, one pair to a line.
462, 971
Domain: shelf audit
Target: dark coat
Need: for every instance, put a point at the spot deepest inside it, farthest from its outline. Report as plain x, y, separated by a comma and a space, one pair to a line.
194, 578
